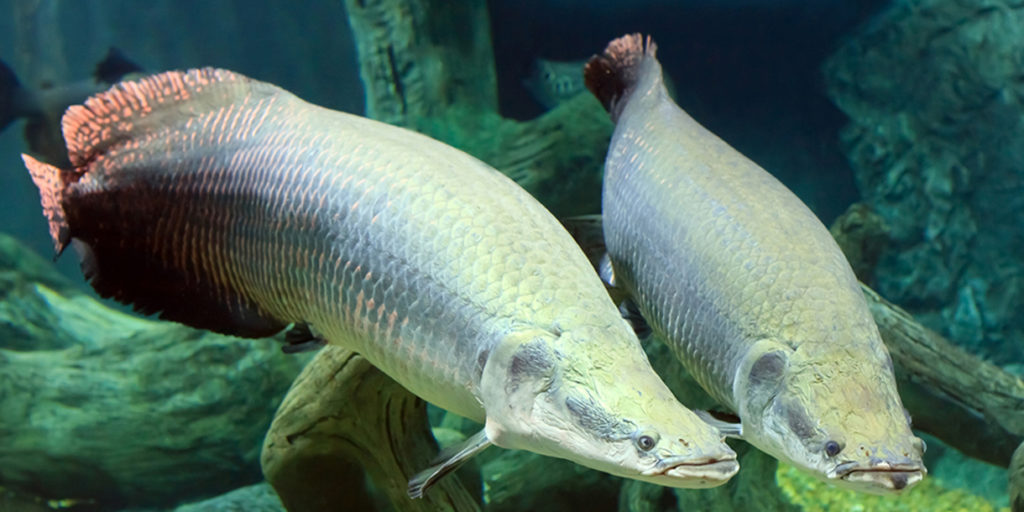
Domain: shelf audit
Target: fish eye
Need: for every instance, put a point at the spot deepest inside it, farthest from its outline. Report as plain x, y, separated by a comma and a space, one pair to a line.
832, 448
647, 442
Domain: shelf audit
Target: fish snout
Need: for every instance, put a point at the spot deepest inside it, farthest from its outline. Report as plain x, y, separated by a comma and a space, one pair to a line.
707, 474
880, 475
707, 470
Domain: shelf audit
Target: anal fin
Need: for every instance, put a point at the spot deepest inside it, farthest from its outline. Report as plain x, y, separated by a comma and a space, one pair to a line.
129, 274
301, 338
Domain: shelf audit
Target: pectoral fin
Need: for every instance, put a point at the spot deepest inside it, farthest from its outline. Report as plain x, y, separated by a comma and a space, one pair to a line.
727, 428
450, 459
300, 338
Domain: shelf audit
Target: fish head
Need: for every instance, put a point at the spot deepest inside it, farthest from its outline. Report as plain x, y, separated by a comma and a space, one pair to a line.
601, 406
836, 417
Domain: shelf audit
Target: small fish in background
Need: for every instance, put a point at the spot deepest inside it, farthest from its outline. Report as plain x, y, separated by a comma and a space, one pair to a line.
232, 205
551, 82
747, 287
42, 108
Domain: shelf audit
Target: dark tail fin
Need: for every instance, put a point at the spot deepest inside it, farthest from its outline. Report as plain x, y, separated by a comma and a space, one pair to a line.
9, 87
51, 183
140, 124
612, 75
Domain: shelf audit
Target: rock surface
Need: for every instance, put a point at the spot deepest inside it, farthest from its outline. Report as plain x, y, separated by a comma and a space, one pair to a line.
116, 410
935, 98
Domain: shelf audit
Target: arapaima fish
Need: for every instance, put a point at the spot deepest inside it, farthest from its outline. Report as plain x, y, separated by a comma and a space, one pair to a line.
232, 205
747, 287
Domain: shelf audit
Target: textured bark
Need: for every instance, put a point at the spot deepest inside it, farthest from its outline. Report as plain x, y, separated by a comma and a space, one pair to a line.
418, 58
342, 419
114, 410
428, 65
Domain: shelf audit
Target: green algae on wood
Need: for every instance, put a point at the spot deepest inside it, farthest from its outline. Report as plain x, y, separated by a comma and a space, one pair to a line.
428, 65
344, 422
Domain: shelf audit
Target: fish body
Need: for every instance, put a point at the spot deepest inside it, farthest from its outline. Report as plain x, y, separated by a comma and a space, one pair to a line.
552, 83
747, 287
232, 205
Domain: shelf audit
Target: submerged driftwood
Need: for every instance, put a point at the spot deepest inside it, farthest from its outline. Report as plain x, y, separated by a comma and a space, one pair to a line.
934, 98
343, 421
110, 409
428, 65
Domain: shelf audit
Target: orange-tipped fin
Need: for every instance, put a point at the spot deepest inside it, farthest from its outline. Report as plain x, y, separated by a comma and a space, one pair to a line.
130, 108
612, 75
51, 184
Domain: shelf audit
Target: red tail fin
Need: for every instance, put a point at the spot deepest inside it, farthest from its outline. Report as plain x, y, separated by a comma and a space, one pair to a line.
51, 186
612, 75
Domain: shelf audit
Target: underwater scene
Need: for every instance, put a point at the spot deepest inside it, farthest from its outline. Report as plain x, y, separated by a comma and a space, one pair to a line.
533, 255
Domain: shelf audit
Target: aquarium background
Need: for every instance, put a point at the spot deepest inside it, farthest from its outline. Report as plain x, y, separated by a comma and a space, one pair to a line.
912, 108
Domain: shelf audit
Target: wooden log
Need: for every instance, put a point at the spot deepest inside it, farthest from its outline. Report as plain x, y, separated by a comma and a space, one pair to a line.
419, 58
974, 406
428, 65
113, 410
343, 419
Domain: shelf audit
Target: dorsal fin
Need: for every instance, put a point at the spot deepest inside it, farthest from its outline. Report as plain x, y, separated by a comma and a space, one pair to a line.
612, 75
128, 107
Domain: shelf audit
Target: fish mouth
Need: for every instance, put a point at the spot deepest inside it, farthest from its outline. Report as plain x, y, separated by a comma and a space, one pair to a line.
703, 473
881, 477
